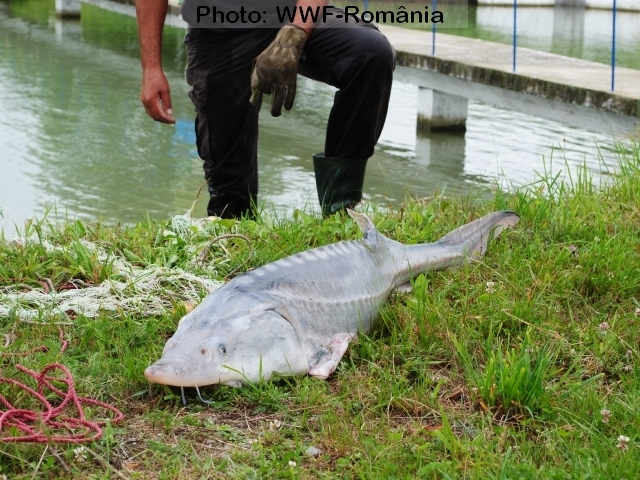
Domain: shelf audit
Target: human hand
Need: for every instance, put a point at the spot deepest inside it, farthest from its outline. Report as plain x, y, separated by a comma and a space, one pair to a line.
275, 69
156, 97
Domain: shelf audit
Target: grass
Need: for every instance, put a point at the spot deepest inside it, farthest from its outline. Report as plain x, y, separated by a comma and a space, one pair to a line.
513, 381
522, 365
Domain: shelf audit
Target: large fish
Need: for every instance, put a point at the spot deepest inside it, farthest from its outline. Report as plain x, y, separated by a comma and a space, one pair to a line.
297, 315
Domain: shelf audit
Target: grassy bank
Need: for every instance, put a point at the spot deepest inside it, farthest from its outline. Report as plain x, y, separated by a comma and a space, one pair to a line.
522, 365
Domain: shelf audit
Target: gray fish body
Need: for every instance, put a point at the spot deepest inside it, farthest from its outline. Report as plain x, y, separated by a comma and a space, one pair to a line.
297, 315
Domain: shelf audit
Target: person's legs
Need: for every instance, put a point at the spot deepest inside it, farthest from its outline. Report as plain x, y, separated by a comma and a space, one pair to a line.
219, 70
359, 61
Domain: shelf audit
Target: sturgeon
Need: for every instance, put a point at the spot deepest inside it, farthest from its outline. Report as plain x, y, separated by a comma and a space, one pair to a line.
297, 315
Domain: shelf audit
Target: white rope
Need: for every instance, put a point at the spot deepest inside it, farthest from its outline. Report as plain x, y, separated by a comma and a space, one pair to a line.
144, 291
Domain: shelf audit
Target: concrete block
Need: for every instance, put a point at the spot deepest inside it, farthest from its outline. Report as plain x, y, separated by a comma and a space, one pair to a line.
68, 8
438, 111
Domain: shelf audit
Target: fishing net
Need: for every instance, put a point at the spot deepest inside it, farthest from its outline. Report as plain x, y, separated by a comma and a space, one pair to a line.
149, 290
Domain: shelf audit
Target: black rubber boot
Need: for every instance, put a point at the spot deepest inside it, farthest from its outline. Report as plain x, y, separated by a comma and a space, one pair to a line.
339, 182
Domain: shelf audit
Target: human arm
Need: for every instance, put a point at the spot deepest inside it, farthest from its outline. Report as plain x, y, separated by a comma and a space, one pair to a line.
155, 94
305, 5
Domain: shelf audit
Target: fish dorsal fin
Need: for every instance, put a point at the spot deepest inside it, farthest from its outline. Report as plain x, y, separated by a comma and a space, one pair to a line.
369, 231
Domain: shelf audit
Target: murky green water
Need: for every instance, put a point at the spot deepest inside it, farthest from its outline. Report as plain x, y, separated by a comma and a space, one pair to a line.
73, 133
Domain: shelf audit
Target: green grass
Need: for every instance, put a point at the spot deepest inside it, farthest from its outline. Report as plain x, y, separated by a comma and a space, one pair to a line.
500, 369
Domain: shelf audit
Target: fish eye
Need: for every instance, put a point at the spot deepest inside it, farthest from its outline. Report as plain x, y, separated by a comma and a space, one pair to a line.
223, 350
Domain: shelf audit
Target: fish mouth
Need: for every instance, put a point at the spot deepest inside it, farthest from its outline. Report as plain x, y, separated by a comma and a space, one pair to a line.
168, 373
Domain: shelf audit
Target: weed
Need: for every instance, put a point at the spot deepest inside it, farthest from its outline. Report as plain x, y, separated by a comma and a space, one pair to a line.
513, 379
545, 328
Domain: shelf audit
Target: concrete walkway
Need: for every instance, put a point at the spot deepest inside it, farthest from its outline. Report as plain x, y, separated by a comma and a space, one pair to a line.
546, 75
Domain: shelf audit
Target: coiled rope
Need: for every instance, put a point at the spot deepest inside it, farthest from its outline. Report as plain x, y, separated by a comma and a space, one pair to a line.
42, 426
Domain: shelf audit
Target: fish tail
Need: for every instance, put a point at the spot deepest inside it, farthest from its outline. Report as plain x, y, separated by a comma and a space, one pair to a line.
458, 246
472, 239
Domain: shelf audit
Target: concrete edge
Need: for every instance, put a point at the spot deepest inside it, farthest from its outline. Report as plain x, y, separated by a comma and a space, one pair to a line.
601, 100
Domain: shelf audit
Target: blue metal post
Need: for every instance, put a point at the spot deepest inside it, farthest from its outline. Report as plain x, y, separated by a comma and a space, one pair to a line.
434, 5
515, 23
366, 4
613, 50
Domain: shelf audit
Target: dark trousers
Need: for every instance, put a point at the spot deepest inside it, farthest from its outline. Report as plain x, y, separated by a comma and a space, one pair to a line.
358, 60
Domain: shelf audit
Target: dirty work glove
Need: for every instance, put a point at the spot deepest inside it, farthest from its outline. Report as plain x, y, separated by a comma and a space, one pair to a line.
275, 69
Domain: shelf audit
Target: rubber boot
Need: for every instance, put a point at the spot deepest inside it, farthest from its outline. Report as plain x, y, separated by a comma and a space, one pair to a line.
339, 182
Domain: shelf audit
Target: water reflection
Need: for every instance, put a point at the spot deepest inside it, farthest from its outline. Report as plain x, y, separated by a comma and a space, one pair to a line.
568, 30
73, 132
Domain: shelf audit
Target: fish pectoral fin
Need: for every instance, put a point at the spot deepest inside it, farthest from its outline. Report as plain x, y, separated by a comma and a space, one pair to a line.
327, 364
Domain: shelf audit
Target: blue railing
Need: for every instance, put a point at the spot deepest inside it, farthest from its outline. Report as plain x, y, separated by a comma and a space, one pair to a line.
434, 4
515, 34
613, 49
515, 37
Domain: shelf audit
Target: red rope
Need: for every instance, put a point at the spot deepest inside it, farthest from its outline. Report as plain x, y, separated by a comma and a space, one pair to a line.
32, 423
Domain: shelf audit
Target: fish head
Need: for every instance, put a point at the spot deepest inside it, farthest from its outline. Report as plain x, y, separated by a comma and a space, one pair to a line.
235, 350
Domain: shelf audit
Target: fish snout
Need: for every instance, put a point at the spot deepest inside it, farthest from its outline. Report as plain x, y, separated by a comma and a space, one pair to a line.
170, 371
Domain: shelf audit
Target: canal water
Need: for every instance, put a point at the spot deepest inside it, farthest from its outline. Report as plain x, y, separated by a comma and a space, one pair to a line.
75, 140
